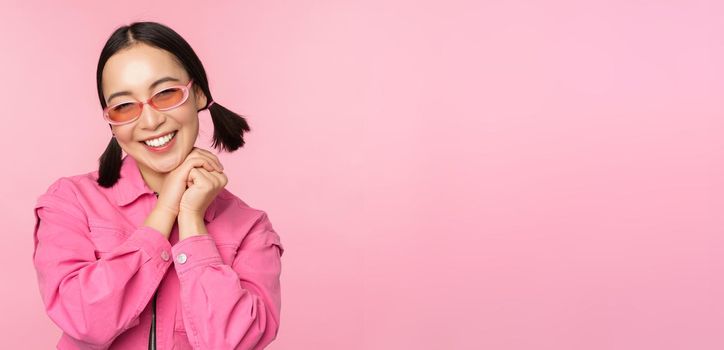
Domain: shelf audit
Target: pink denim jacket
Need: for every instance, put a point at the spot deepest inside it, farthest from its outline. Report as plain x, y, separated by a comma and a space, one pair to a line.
98, 268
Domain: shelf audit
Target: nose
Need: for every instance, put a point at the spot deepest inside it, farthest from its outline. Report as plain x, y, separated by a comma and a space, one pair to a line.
150, 118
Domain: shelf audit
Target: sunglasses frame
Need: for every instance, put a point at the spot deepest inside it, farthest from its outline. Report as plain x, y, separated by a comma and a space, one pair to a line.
184, 88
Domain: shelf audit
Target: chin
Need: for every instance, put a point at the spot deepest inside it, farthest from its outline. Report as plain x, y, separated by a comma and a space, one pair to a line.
161, 163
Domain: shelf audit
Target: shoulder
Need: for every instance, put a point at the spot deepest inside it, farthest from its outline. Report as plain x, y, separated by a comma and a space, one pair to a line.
241, 218
79, 184
72, 191
80, 180
229, 206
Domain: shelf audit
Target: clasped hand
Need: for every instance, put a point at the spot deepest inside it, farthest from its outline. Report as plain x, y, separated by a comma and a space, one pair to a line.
188, 190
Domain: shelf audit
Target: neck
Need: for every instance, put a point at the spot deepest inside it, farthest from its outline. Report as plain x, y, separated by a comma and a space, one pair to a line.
153, 179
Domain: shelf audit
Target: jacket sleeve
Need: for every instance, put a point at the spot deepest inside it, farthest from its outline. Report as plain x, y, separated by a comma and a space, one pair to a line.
92, 300
233, 306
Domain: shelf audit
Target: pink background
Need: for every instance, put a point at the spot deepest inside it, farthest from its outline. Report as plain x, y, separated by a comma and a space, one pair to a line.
443, 175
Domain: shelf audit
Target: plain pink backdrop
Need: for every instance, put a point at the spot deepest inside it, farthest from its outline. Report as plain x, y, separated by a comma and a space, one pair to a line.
444, 175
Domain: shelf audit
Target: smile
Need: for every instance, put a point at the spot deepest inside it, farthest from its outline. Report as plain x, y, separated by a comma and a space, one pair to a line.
161, 141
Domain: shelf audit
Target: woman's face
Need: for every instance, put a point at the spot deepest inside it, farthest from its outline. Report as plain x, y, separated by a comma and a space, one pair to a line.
134, 70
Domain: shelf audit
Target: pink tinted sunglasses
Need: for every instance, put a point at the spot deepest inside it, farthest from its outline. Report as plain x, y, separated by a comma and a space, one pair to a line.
166, 99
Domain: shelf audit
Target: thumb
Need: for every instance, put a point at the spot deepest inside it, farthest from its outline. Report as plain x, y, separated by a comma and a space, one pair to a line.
192, 177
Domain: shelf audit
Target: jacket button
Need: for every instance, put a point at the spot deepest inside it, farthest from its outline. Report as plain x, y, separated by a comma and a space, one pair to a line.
181, 258
164, 255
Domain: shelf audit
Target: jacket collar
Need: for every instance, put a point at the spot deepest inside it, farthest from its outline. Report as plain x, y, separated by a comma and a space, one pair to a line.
131, 185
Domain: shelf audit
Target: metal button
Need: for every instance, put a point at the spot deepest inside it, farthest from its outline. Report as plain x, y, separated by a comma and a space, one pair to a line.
181, 258
164, 255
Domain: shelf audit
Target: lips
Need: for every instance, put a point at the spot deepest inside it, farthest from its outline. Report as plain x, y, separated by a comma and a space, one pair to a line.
163, 148
157, 136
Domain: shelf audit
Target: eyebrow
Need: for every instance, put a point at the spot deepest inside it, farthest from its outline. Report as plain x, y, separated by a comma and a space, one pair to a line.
150, 87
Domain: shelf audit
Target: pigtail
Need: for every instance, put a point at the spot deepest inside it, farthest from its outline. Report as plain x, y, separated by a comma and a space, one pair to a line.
229, 128
109, 164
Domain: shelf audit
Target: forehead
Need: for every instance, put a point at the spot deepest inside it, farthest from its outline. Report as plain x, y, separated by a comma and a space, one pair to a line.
135, 68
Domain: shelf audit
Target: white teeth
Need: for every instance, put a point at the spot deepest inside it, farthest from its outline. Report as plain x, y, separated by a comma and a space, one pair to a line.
161, 141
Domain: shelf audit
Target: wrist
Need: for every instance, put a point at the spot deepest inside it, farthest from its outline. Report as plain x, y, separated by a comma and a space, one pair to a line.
190, 216
160, 220
165, 211
191, 224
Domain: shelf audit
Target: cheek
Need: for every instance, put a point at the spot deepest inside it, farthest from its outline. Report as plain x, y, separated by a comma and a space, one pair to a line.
187, 116
189, 122
124, 136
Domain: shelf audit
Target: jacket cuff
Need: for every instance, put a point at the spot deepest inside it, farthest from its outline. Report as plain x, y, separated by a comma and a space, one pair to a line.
153, 244
195, 251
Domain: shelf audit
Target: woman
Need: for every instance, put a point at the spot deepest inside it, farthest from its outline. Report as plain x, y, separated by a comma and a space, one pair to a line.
151, 250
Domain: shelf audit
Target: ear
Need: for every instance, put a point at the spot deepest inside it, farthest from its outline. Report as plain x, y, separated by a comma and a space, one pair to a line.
199, 96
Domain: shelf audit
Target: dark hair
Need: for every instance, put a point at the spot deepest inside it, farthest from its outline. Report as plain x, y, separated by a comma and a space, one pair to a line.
229, 127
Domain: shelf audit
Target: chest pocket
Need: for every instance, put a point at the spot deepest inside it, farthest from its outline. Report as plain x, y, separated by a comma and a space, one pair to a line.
106, 237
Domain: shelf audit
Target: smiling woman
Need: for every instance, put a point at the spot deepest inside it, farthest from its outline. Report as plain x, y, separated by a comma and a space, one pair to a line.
105, 240
156, 68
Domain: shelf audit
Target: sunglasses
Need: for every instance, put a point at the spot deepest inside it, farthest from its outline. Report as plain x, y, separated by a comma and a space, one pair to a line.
127, 112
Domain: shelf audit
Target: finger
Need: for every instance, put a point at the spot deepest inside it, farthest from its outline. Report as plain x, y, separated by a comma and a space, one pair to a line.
195, 162
190, 177
205, 177
214, 159
213, 164
211, 156
197, 178
221, 178
215, 176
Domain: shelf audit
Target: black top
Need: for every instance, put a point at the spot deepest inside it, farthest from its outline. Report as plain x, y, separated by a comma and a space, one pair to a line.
152, 333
